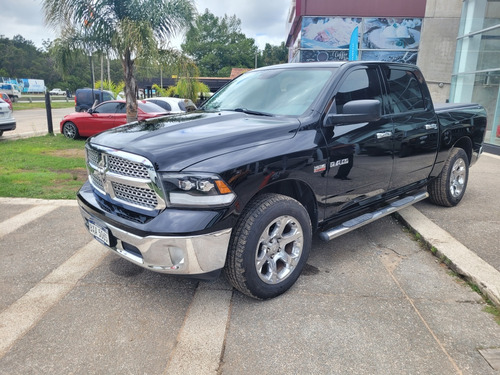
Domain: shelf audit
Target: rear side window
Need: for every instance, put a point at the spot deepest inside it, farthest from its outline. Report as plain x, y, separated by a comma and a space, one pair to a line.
405, 94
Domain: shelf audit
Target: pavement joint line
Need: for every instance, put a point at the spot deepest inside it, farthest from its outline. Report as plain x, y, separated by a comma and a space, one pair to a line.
462, 260
14, 223
424, 321
17, 319
201, 339
38, 201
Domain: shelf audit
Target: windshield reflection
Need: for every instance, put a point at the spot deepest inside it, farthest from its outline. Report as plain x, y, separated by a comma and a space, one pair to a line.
287, 91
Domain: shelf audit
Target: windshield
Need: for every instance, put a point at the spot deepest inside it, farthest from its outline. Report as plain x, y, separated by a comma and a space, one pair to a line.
149, 107
288, 91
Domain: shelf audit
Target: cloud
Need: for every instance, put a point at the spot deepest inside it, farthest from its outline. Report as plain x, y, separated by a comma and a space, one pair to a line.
262, 20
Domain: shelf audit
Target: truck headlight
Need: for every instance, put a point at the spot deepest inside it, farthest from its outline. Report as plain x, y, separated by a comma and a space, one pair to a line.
196, 190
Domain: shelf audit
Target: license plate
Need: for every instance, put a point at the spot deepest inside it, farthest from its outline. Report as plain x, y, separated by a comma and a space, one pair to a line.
99, 232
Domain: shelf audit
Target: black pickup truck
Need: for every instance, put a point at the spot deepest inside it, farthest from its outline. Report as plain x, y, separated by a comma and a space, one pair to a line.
277, 155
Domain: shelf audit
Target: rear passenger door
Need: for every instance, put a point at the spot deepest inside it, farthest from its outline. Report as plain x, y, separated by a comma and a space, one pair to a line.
415, 125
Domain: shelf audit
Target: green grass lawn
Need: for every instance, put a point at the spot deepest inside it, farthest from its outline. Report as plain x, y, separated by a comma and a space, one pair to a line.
41, 104
48, 167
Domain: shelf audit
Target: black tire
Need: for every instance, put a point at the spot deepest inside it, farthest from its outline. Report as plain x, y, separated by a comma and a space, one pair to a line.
449, 187
1, 133
259, 263
70, 130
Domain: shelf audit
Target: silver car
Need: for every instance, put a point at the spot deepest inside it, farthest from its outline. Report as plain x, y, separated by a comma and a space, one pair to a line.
7, 122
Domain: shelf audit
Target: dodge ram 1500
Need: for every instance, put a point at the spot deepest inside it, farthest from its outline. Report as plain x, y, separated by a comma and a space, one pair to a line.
275, 156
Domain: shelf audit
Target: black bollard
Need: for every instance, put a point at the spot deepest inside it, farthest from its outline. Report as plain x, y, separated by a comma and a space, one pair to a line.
48, 108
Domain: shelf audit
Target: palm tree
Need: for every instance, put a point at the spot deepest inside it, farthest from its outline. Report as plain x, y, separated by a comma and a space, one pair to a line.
129, 29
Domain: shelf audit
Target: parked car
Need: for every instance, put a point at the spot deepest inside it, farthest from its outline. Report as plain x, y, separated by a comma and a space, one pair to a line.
86, 98
174, 105
57, 92
11, 90
6, 99
105, 116
7, 122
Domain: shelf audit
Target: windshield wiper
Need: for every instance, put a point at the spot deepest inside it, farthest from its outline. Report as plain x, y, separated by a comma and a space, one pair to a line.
251, 112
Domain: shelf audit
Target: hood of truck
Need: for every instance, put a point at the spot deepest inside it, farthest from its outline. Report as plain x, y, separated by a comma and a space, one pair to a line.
173, 143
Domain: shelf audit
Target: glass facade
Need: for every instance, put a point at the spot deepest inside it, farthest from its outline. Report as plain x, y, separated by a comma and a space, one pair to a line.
476, 72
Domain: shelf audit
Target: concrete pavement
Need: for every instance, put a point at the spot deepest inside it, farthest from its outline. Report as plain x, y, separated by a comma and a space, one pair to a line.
468, 235
370, 302
33, 122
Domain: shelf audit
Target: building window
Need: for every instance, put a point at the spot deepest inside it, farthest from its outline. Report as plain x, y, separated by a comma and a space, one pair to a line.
476, 73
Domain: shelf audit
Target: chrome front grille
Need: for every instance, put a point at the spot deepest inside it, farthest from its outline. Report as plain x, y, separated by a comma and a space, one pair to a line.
127, 167
124, 177
136, 196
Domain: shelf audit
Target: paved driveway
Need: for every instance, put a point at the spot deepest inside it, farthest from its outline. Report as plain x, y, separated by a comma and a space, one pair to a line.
370, 302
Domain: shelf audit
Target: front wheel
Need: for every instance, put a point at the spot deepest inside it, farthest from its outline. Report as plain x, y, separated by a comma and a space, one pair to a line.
70, 130
449, 187
269, 247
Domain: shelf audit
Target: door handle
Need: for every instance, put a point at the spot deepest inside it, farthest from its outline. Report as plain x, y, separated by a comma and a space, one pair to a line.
430, 126
383, 135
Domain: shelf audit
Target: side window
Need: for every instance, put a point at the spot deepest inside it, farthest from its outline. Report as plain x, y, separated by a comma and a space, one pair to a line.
405, 93
106, 108
358, 85
121, 108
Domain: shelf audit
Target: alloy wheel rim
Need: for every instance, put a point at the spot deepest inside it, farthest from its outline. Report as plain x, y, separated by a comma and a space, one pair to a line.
457, 178
279, 249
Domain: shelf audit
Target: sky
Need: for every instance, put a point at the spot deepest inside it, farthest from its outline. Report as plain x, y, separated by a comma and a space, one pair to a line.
262, 20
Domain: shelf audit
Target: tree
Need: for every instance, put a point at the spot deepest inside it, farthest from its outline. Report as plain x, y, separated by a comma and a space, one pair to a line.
273, 55
131, 30
186, 71
217, 44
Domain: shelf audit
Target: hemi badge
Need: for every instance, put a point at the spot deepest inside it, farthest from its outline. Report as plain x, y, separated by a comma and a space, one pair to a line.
319, 168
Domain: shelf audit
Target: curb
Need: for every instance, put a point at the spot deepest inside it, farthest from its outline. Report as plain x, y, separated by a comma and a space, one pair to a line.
459, 258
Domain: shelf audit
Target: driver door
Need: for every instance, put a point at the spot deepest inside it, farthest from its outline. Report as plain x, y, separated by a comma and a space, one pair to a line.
103, 117
360, 156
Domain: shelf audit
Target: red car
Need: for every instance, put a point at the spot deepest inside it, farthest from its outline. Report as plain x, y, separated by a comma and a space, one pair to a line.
105, 116
6, 99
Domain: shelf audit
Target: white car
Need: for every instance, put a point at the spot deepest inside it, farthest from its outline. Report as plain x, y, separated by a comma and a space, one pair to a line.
57, 92
174, 105
7, 122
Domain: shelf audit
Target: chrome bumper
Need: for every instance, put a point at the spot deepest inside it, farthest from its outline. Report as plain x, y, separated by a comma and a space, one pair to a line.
190, 255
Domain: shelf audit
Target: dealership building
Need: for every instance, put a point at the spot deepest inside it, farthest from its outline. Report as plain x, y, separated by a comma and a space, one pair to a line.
456, 43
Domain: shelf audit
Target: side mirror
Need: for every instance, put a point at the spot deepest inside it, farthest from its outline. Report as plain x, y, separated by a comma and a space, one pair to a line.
356, 111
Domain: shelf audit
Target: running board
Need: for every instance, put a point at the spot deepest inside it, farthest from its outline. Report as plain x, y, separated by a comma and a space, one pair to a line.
359, 221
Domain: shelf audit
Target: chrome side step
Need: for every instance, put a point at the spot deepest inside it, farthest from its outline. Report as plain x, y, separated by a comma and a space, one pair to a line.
359, 221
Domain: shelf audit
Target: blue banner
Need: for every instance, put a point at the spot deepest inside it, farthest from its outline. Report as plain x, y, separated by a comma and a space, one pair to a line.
353, 45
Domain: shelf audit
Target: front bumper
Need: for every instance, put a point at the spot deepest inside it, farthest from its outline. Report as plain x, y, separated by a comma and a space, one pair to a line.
196, 255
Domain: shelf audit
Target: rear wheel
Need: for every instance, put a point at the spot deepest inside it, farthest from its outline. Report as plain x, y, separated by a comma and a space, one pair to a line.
70, 130
449, 187
1, 133
269, 247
